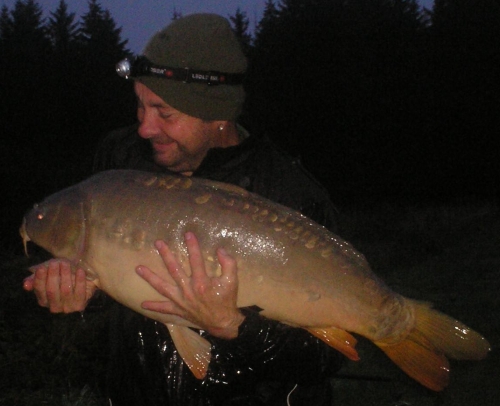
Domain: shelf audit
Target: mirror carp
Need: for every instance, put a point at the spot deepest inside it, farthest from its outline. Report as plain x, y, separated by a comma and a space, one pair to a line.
293, 269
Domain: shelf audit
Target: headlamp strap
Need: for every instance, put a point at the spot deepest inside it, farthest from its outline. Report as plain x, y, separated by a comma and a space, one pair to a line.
141, 66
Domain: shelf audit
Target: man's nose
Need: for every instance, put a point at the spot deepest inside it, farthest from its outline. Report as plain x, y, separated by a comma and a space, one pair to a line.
148, 127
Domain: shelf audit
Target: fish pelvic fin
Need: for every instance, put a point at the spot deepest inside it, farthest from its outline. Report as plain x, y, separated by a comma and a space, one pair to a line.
423, 353
337, 338
193, 348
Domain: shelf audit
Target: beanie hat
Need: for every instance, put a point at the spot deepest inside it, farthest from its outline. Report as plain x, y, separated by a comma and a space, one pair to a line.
204, 42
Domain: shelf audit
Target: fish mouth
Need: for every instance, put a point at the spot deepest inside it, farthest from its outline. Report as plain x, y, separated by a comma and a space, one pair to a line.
24, 236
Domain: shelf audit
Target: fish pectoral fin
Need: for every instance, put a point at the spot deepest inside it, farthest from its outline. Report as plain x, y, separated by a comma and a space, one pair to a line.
337, 338
90, 274
193, 348
96, 282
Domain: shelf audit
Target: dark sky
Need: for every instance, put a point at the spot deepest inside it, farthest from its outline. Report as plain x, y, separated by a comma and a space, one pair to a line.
140, 19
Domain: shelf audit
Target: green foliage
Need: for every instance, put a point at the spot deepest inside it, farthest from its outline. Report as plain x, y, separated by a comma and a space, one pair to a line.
267, 21
464, 66
240, 28
60, 92
67, 67
62, 29
401, 100
99, 32
342, 72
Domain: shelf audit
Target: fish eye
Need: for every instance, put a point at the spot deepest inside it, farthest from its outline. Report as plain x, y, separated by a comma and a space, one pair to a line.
40, 212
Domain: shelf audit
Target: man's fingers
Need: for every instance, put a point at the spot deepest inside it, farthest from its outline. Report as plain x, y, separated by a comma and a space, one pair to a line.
53, 283
58, 288
66, 281
173, 267
161, 307
196, 261
162, 287
80, 289
29, 282
39, 282
209, 302
228, 265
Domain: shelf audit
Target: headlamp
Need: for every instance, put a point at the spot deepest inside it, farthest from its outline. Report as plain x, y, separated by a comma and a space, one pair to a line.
142, 66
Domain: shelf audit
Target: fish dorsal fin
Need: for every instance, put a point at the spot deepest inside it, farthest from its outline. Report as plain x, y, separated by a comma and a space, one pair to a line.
339, 339
193, 348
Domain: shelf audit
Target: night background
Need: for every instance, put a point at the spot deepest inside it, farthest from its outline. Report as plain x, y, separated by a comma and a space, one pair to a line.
395, 109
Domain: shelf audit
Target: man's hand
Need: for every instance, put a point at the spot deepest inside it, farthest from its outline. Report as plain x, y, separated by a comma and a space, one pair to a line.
208, 302
57, 288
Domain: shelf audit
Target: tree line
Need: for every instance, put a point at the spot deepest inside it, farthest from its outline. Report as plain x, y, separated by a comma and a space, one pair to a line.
377, 97
382, 97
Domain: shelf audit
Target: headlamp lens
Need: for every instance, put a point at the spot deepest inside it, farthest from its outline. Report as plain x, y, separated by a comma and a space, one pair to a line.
124, 68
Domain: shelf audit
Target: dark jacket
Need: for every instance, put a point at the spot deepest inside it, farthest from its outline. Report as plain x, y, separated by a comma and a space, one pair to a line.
263, 364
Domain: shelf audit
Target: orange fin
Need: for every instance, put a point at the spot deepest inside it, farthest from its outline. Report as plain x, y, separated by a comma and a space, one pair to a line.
415, 356
450, 336
337, 338
422, 354
193, 348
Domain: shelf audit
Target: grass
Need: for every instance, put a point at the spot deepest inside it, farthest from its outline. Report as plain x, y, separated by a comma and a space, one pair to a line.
446, 254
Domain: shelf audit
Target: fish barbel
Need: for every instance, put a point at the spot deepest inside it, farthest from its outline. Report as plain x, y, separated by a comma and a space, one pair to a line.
293, 269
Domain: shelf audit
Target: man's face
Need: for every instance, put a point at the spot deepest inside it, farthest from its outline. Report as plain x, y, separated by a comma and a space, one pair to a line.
180, 142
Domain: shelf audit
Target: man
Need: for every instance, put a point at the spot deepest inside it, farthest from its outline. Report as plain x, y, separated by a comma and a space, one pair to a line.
189, 90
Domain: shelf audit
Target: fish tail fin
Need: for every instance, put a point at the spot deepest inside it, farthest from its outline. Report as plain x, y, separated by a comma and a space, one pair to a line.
193, 348
337, 338
450, 336
423, 353
420, 360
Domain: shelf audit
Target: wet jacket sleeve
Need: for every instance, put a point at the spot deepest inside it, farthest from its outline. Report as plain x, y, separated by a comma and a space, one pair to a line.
274, 351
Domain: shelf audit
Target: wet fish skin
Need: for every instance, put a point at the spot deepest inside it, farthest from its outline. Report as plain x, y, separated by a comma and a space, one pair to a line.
292, 268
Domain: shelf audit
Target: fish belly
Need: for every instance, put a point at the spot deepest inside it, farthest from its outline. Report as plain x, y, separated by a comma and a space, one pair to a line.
114, 268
